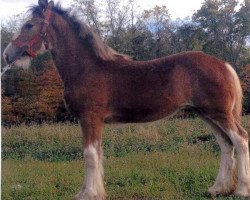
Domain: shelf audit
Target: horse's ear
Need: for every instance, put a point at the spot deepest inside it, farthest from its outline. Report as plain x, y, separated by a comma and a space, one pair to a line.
43, 4
51, 4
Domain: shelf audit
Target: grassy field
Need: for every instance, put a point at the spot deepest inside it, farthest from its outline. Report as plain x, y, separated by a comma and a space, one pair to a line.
176, 159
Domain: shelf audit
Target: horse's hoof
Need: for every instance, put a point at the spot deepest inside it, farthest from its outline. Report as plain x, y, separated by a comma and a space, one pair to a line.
243, 190
88, 196
214, 191
220, 190
84, 196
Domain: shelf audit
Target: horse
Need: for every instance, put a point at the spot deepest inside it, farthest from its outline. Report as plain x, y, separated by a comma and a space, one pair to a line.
102, 86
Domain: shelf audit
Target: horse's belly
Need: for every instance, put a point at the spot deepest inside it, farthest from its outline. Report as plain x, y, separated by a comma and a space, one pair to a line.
139, 114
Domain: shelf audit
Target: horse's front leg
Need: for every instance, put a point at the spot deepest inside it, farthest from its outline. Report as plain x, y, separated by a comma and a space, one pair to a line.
92, 188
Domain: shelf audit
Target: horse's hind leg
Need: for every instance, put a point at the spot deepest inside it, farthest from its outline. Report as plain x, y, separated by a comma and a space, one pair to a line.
225, 183
239, 138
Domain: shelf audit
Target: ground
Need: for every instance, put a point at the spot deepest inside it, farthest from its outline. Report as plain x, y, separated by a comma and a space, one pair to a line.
174, 159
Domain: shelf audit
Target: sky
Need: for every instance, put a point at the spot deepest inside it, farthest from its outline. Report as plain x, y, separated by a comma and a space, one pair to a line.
177, 8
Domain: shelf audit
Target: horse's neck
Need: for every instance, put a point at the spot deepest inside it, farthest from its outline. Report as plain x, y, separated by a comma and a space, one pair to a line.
70, 57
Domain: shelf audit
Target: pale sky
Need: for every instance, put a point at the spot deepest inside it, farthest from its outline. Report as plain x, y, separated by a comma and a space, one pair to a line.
177, 8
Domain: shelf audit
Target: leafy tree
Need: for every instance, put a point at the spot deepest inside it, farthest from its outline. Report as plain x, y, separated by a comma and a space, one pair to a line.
186, 37
225, 29
157, 20
90, 13
116, 22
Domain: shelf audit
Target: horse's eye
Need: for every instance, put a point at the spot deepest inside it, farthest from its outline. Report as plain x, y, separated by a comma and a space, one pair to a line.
28, 26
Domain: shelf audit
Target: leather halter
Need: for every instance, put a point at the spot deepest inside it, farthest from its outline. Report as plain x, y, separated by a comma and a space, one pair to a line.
37, 37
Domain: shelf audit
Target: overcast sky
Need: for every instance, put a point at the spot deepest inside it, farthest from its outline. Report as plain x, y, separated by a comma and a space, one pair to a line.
177, 8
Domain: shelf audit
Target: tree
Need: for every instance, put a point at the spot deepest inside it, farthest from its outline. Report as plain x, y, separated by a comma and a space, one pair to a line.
90, 13
225, 29
186, 36
157, 20
116, 22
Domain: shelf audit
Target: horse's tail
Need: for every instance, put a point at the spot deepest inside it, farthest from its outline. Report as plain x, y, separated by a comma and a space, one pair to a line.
237, 108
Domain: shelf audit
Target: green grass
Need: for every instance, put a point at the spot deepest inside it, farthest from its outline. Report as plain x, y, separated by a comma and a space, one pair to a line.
175, 159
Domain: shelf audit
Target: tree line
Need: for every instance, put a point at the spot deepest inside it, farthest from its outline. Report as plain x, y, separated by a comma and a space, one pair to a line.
220, 28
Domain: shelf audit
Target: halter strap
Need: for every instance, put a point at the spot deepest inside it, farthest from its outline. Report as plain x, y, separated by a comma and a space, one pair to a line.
37, 37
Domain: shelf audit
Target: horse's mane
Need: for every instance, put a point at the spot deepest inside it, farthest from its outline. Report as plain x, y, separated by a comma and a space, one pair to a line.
85, 34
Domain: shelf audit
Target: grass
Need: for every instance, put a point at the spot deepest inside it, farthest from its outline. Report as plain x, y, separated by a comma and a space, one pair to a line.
175, 159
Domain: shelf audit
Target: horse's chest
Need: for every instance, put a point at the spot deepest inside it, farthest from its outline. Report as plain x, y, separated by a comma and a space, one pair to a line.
83, 99
75, 100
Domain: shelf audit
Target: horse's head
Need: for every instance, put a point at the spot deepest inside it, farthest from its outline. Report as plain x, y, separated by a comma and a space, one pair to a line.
31, 40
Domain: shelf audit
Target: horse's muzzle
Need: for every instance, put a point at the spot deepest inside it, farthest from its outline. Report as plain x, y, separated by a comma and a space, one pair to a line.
12, 53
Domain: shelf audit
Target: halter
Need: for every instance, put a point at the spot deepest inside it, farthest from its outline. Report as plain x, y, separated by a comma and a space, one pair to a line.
37, 37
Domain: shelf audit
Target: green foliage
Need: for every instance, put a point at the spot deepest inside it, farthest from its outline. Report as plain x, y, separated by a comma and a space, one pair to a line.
187, 37
225, 29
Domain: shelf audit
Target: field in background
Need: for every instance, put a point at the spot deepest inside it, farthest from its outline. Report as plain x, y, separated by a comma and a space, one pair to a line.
176, 159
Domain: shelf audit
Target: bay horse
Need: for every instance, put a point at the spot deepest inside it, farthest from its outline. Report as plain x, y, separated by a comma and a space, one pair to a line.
102, 86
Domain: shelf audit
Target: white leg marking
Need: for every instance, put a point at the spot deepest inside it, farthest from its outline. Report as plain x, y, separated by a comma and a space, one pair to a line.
242, 148
93, 170
93, 185
225, 182
243, 165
